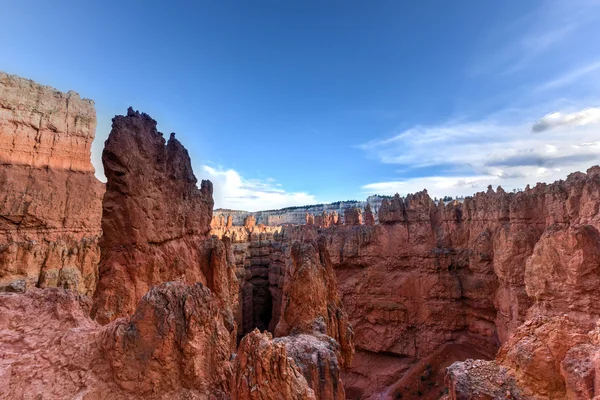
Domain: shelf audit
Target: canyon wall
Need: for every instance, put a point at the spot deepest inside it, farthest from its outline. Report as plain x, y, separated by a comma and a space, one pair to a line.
50, 201
494, 297
297, 215
434, 283
287, 287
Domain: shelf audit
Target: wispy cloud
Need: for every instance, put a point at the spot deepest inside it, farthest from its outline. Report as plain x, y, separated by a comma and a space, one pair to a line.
489, 152
517, 47
232, 190
570, 76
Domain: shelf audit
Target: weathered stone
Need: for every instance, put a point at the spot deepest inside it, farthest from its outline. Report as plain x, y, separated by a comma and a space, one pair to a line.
50, 202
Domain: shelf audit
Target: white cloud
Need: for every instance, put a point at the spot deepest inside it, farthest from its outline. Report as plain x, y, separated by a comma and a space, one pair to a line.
584, 117
233, 191
470, 156
437, 186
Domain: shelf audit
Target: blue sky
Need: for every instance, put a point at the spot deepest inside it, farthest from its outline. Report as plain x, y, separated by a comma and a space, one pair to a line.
292, 102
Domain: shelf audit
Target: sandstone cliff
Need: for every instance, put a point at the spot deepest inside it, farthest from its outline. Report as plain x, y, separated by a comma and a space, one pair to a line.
50, 201
555, 354
312, 320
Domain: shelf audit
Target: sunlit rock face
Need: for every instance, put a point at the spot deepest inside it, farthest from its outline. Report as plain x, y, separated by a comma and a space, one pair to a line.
50, 201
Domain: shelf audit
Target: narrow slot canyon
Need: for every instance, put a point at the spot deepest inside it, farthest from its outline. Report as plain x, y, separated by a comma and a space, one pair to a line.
260, 268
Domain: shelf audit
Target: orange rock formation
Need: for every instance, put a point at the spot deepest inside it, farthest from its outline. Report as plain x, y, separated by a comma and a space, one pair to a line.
50, 200
155, 221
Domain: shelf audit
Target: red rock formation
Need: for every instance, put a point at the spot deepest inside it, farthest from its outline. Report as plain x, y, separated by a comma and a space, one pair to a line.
430, 275
310, 219
289, 288
50, 200
155, 221
263, 371
369, 217
353, 216
338, 219
218, 221
175, 345
312, 320
326, 219
249, 222
229, 221
44, 128
310, 301
552, 355
562, 276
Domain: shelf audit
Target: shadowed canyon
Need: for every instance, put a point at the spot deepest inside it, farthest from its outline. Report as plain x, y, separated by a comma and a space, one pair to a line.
136, 289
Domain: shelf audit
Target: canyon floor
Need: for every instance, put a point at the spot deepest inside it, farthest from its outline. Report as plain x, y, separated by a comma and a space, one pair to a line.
137, 289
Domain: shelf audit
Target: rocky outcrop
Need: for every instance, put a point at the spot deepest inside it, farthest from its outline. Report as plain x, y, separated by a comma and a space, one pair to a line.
353, 216
155, 222
312, 323
50, 202
369, 217
175, 345
555, 354
44, 128
310, 301
545, 358
264, 371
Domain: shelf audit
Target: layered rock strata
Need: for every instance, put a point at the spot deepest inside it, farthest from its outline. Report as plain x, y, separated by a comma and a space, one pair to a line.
297, 215
433, 283
50, 201
313, 324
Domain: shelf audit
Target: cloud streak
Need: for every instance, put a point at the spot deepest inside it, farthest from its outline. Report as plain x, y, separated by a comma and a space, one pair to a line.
570, 77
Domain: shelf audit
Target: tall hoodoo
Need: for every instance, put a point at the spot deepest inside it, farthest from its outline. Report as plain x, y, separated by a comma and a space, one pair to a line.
312, 320
155, 221
50, 201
